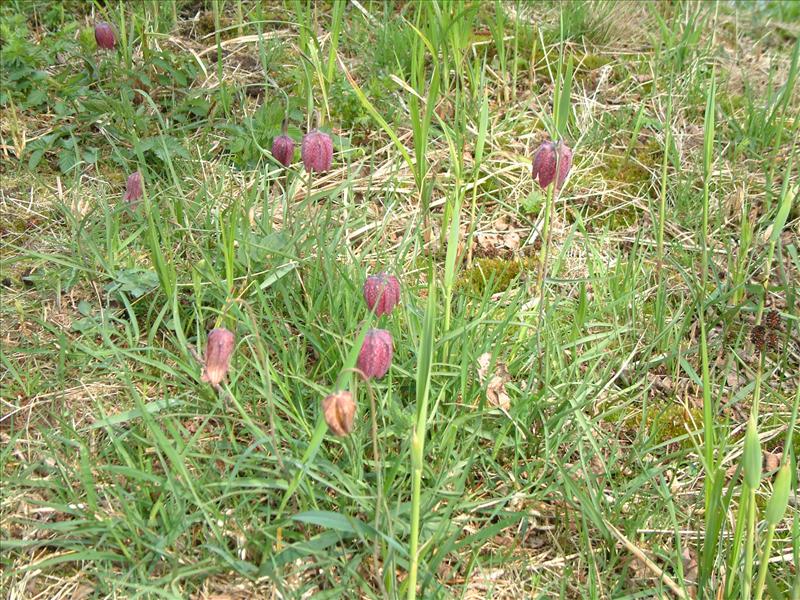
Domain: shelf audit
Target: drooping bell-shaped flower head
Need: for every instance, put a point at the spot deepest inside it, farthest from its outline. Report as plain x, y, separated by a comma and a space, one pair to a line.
317, 151
283, 149
544, 163
339, 410
219, 348
381, 293
104, 35
133, 188
376, 353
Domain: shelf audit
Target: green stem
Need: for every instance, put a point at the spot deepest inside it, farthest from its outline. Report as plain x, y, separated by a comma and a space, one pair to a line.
447, 300
287, 218
378, 496
757, 387
218, 40
308, 457
123, 36
748, 556
662, 196
417, 447
708, 412
547, 240
762, 568
418, 433
544, 240
736, 545
543, 257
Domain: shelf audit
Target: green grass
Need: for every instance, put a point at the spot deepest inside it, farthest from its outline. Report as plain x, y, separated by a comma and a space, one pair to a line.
619, 467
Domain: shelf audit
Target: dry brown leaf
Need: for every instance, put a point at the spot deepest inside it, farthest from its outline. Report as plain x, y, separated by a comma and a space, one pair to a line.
81, 592
488, 240
511, 240
596, 465
491, 243
501, 224
483, 365
772, 460
496, 393
690, 569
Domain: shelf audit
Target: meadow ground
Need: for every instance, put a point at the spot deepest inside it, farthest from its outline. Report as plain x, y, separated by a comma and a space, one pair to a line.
593, 391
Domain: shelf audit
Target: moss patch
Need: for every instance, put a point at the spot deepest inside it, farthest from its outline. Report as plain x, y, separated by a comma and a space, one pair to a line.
590, 62
732, 103
635, 169
667, 423
495, 274
206, 25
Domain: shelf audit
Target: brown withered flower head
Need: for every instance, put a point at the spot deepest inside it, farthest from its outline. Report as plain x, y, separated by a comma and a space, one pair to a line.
133, 188
758, 336
381, 293
773, 323
104, 35
339, 411
375, 356
544, 163
317, 151
219, 348
773, 319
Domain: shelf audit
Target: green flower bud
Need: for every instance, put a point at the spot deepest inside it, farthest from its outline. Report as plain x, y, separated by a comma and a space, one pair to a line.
751, 459
776, 507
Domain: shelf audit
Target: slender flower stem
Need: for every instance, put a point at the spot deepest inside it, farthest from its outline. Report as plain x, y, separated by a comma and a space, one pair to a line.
418, 434
472, 225
417, 446
123, 35
447, 301
736, 545
662, 211
751, 497
544, 255
287, 213
552, 196
764, 566
748, 549
545, 237
708, 409
379, 482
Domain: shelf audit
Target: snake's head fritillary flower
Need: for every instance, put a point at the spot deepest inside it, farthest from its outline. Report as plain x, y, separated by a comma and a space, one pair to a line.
544, 163
133, 188
104, 35
219, 348
317, 151
381, 293
375, 356
283, 149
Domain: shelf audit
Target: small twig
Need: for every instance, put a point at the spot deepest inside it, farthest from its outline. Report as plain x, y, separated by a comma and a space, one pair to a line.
196, 356
364, 11
653, 567
224, 396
